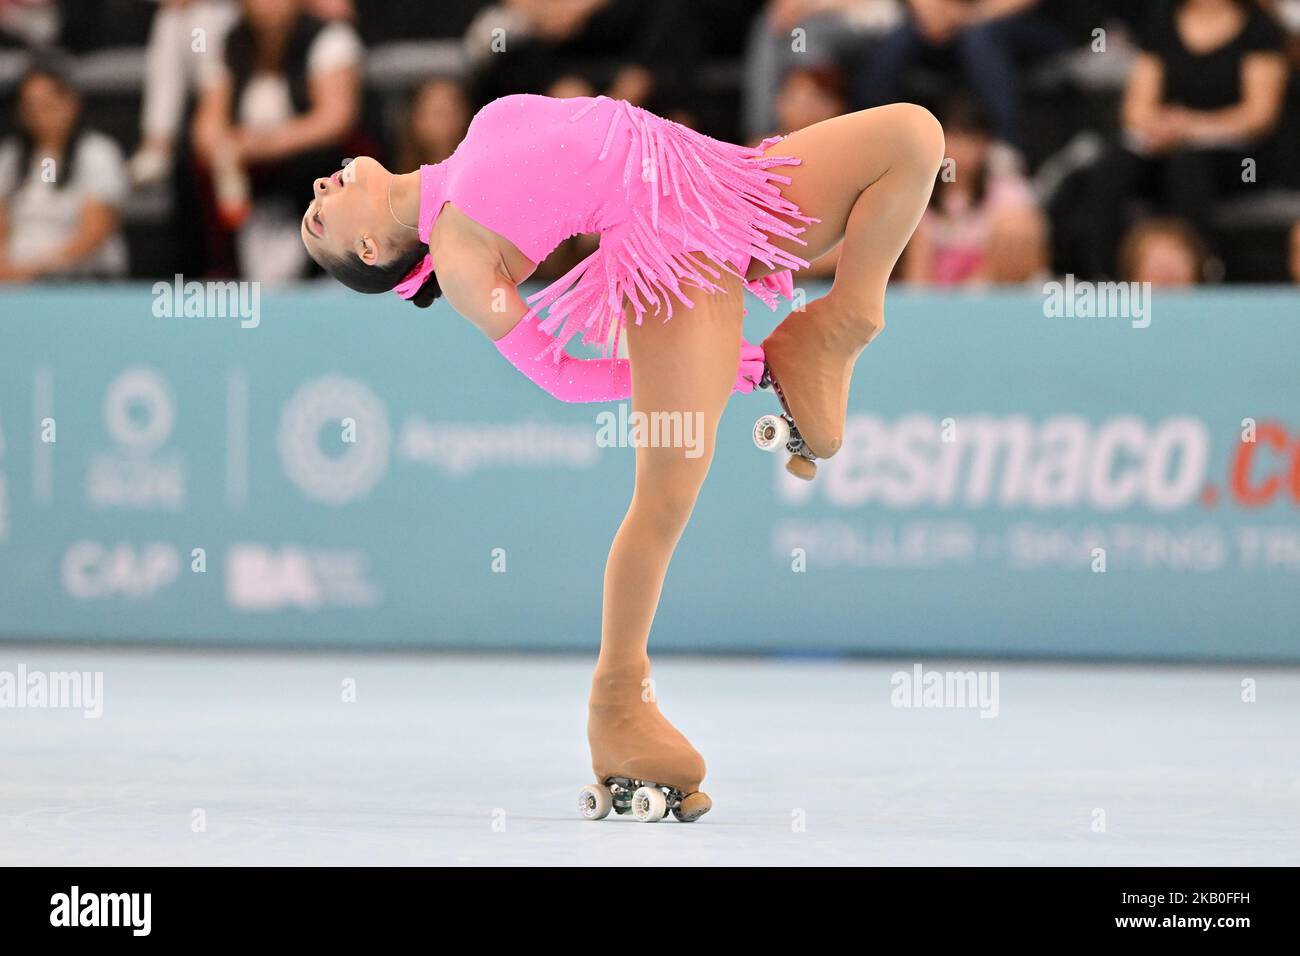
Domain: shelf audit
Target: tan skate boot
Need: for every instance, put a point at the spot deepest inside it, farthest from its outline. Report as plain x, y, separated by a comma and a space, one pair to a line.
643, 764
810, 358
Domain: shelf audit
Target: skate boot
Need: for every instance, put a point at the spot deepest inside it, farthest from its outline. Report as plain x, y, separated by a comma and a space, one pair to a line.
809, 364
643, 764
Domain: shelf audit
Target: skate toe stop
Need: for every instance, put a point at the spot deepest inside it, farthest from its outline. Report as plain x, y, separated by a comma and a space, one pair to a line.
801, 467
693, 806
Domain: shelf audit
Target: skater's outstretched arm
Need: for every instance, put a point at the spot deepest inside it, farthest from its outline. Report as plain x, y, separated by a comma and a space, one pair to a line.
489, 298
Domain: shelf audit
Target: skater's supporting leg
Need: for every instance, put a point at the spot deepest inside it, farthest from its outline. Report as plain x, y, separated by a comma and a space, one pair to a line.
688, 366
868, 177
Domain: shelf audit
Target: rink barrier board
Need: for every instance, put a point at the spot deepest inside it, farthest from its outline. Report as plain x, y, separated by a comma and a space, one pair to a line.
992, 448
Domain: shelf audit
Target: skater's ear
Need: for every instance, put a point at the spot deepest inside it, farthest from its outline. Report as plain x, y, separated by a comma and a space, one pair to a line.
360, 275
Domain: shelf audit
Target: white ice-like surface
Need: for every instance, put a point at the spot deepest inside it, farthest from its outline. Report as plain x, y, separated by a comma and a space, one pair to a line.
477, 760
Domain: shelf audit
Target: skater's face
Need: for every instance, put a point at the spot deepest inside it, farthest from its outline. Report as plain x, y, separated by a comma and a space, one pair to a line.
349, 213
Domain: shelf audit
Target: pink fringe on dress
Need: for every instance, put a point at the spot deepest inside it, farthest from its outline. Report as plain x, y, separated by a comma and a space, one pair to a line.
687, 193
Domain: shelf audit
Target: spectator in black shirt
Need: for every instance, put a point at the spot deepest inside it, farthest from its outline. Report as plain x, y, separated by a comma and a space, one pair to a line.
1206, 90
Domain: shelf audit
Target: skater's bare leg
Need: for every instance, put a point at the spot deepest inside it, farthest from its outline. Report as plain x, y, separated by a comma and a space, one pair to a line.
867, 176
686, 365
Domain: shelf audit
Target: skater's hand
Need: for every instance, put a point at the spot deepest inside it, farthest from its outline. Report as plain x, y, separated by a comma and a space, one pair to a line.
751, 368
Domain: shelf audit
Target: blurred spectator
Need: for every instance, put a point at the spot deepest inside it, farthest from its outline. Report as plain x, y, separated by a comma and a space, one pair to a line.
809, 95
394, 21
568, 87
832, 32
332, 9
645, 53
1207, 87
277, 111
1287, 13
185, 33
1293, 253
436, 122
983, 224
988, 39
30, 23
1164, 252
60, 188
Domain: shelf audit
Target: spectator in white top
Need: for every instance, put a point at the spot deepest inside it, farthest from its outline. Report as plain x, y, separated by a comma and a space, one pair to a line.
278, 108
184, 35
61, 186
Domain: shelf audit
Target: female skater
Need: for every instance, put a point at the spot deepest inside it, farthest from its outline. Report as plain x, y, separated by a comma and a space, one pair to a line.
686, 223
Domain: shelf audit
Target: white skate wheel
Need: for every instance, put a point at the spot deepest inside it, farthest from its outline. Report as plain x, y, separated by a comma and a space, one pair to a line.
595, 801
771, 432
649, 804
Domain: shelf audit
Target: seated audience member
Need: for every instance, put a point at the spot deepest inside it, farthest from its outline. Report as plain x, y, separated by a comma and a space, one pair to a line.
1287, 13
989, 40
1164, 252
1205, 92
808, 96
436, 122
983, 224
280, 108
184, 35
832, 32
29, 23
568, 87
61, 185
1293, 253
645, 53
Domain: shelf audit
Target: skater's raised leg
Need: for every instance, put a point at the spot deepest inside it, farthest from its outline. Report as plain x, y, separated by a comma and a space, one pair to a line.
688, 366
867, 176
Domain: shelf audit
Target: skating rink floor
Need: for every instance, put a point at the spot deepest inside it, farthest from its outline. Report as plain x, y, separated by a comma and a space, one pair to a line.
476, 760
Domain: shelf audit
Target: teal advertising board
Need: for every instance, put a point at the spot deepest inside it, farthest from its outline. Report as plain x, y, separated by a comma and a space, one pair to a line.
349, 470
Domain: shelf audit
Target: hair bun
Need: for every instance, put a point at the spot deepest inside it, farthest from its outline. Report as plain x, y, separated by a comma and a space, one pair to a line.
428, 292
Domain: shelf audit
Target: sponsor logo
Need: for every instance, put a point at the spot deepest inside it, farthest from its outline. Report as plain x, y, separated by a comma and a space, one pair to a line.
260, 578
90, 571
139, 413
1057, 463
462, 448
351, 418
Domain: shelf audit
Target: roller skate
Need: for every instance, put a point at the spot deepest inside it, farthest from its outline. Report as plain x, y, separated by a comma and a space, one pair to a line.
808, 364
643, 765
774, 432
645, 801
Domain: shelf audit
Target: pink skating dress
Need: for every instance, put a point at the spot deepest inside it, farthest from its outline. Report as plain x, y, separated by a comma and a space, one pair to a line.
538, 170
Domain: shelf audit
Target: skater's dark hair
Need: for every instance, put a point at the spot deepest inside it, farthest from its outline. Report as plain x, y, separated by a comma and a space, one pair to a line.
382, 277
